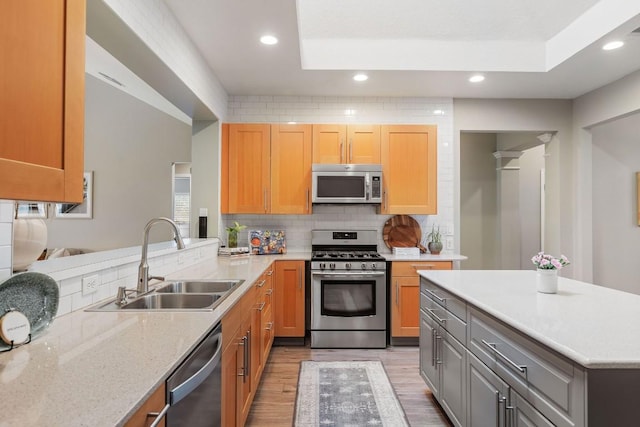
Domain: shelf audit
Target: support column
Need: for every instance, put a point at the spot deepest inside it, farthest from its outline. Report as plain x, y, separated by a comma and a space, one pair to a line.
508, 209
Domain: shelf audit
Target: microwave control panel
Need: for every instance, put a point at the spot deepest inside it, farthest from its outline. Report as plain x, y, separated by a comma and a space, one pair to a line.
375, 187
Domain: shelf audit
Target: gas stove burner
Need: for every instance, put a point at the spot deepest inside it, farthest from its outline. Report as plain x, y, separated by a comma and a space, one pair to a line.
351, 255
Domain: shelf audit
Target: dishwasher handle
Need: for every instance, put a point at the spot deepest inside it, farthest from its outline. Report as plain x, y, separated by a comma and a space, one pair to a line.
181, 391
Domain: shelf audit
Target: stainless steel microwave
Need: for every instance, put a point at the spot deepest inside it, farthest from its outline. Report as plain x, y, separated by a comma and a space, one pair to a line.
346, 183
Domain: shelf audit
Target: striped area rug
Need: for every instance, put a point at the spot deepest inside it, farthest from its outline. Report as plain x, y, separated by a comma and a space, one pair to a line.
346, 394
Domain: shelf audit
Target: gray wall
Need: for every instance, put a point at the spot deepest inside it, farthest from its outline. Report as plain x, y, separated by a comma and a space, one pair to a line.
130, 147
531, 163
205, 175
616, 235
478, 203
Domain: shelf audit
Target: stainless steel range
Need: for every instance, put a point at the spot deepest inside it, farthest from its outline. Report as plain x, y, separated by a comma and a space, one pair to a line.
348, 290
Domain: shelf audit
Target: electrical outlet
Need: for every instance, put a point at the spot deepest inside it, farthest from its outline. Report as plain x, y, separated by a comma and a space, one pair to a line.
90, 284
449, 243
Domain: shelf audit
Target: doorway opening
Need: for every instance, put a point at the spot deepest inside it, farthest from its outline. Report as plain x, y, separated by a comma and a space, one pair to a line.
501, 199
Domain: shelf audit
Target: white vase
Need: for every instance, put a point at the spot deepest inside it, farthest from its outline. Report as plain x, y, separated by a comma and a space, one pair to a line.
547, 281
29, 240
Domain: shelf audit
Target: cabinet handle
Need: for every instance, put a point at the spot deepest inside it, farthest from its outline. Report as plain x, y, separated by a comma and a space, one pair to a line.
247, 352
350, 150
492, 347
421, 266
244, 342
269, 273
261, 283
159, 416
261, 307
265, 199
433, 347
397, 294
307, 200
269, 326
497, 409
508, 414
384, 197
438, 339
299, 278
268, 292
442, 300
341, 145
438, 319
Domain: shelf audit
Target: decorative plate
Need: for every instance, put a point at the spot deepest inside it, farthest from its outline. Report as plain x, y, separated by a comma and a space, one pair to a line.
36, 295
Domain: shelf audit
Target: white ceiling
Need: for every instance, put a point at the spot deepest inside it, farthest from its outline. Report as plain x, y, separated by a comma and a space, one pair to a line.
525, 48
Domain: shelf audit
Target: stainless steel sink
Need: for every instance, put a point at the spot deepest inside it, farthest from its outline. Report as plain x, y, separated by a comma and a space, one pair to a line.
199, 287
173, 302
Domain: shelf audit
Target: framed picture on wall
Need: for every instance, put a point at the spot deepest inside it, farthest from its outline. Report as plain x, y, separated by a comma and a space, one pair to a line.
78, 210
31, 210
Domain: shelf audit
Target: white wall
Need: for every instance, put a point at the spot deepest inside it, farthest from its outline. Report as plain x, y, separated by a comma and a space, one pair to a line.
383, 110
6, 238
616, 235
130, 147
478, 201
534, 115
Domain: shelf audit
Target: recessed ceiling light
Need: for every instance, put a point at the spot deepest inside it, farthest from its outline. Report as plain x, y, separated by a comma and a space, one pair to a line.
360, 77
613, 45
476, 79
268, 40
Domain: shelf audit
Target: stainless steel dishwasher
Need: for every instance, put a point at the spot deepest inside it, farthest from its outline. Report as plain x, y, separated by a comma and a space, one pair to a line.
195, 387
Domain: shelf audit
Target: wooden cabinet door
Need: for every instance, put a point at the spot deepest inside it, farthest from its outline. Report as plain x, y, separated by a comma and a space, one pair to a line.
231, 365
153, 405
405, 309
290, 169
289, 299
249, 168
42, 101
329, 143
363, 144
409, 165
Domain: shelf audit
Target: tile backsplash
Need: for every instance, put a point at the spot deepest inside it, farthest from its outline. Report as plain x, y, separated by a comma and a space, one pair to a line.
6, 238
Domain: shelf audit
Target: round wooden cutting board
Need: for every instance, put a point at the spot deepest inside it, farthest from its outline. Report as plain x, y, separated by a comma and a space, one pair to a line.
402, 231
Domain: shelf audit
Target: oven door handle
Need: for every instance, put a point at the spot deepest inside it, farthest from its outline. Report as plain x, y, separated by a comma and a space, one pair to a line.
348, 275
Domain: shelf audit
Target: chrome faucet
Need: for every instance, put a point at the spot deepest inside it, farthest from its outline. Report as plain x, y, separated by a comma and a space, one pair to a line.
143, 269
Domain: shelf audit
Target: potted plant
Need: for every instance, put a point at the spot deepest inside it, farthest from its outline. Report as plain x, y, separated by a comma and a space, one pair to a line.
232, 240
434, 239
547, 271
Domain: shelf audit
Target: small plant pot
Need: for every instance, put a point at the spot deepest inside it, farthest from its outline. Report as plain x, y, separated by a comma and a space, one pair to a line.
434, 247
547, 281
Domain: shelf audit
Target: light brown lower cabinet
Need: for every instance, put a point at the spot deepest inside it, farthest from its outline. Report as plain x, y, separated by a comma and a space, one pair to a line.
405, 295
289, 299
247, 338
150, 410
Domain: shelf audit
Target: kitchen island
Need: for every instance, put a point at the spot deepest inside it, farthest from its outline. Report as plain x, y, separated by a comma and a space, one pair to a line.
97, 368
495, 349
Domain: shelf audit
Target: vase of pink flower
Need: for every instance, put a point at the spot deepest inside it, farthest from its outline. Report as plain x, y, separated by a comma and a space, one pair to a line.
547, 271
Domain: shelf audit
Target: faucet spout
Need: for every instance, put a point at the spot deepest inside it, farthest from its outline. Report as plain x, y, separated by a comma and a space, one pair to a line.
143, 269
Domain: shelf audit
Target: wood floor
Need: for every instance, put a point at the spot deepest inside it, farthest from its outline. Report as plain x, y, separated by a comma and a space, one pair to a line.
274, 402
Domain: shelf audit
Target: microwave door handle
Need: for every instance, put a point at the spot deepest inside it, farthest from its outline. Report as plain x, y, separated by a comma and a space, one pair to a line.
367, 186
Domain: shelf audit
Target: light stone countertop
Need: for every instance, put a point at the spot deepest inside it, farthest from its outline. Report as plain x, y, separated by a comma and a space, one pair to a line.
97, 368
595, 326
425, 257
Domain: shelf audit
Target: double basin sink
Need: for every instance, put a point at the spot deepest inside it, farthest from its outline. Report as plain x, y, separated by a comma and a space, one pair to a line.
192, 295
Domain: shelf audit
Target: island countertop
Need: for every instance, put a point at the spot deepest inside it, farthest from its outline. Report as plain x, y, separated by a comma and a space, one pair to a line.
595, 326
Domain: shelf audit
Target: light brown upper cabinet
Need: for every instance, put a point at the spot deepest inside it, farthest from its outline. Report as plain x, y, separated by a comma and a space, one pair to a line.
290, 169
42, 101
266, 168
409, 167
346, 144
248, 167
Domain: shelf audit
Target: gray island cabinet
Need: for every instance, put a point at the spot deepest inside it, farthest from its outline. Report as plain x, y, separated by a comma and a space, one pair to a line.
495, 352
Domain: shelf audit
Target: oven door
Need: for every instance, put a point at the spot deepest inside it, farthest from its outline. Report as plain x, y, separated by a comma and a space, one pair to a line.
346, 301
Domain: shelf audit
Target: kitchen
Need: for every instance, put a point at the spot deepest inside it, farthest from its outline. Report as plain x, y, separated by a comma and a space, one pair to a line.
477, 115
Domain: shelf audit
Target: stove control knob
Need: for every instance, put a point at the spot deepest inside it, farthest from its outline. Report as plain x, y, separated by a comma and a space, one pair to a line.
364, 266
332, 265
323, 266
348, 266
373, 265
